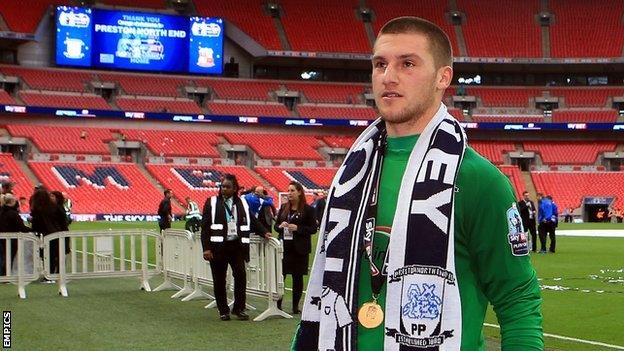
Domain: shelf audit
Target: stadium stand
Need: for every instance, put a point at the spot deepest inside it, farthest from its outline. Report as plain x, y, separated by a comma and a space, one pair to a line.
59, 99
337, 111
19, 20
492, 150
324, 26
248, 108
432, 10
583, 97
5, 98
585, 116
150, 4
492, 19
157, 104
253, 20
577, 34
515, 177
96, 188
504, 97
507, 118
57, 139
240, 89
50, 79
175, 143
310, 178
147, 84
569, 188
278, 146
197, 182
11, 171
330, 93
343, 141
569, 152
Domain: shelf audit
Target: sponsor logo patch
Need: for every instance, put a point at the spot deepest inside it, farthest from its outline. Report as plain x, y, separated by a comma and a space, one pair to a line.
517, 237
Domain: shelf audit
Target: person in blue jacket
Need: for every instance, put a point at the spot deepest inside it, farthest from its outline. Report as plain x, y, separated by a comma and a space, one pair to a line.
548, 221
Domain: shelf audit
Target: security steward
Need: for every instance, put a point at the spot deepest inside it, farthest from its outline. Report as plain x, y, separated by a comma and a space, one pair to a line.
193, 216
226, 226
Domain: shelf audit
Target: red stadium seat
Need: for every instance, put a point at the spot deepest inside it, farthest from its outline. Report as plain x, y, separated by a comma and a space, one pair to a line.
569, 152
569, 188
24, 20
279, 146
492, 150
515, 177
69, 100
11, 171
145, 104
249, 109
337, 111
231, 89
331, 93
63, 139
50, 79
173, 143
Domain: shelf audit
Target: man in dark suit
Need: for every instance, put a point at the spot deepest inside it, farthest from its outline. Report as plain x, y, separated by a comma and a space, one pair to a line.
226, 225
528, 212
164, 211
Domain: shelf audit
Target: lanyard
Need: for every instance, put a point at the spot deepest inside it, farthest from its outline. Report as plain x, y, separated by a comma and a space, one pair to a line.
378, 277
229, 211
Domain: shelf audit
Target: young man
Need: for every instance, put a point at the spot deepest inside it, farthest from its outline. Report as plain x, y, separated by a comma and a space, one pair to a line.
227, 223
548, 221
164, 211
420, 232
528, 212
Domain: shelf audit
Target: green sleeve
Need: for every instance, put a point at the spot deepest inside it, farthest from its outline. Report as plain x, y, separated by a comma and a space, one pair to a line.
509, 282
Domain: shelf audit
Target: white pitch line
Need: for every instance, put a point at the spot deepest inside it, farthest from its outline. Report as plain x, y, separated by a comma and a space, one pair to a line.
596, 343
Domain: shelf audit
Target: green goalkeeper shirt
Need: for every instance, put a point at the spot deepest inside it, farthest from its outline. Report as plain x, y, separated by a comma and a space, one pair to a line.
486, 268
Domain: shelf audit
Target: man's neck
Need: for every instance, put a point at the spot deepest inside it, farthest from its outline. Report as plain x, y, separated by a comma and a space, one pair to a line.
416, 125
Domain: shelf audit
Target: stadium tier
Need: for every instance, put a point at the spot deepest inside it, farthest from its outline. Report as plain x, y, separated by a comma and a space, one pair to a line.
279, 146
331, 93
324, 26
69, 100
101, 188
507, 118
153, 104
70, 140
515, 177
337, 111
574, 33
147, 84
569, 152
198, 182
50, 79
504, 97
433, 10
11, 171
343, 141
569, 188
510, 28
149, 4
175, 143
253, 20
310, 178
585, 116
240, 108
240, 89
5, 98
492, 150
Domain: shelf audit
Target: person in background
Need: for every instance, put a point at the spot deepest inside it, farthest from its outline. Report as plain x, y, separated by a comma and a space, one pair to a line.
528, 213
47, 217
296, 223
547, 217
67, 207
319, 206
164, 211
10, 222
257, 199
193, 216
227, 223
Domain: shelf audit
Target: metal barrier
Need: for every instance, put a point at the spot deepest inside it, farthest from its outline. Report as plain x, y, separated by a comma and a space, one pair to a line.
103, 254
26, 265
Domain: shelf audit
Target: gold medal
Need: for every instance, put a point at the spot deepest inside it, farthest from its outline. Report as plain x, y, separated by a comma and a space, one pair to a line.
370, 315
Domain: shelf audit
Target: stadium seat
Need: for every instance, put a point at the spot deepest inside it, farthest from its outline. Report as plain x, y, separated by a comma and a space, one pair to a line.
310, 178
5, 98
64, 139
278, 146
173, 143
507, 119
337, 111
569, 152
50, 79
569, 188
515, 177
342, 141
230, 89
271, 109
67, 100
329, 93
492, 150
24, 21
147, 104
113, 188
11, 171
147, 84
603, 116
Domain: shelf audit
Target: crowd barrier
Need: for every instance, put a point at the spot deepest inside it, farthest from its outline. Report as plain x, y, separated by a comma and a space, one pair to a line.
183, 259
22, 266
174, 253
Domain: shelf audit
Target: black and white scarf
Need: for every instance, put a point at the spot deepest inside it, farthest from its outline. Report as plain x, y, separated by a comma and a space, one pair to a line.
423, 309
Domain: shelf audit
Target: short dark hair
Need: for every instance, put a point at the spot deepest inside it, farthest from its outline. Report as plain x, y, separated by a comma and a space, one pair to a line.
439, 42
525, 192
167, 192
232, 178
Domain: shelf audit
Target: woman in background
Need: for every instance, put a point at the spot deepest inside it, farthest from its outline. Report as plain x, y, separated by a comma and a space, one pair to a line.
296, 223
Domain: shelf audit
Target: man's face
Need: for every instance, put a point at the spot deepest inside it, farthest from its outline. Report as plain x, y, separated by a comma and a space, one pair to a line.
526, 196
406, 82
227, 188
259, 191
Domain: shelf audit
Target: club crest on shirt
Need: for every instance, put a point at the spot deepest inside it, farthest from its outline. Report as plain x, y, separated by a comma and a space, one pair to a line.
517, 237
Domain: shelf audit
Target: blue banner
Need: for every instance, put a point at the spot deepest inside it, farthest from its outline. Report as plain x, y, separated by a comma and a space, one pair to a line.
206, 45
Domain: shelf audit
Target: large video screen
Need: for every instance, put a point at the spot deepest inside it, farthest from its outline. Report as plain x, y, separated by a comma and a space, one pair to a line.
138, 41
